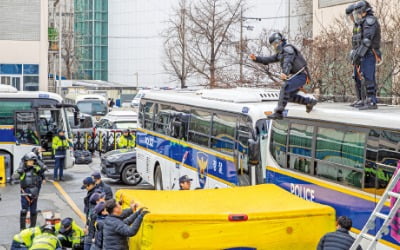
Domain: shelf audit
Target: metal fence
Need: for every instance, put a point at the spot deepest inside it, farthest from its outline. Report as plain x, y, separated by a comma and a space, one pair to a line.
101, 142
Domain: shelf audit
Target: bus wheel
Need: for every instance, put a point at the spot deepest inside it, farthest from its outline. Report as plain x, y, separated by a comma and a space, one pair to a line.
158, 183
130, 176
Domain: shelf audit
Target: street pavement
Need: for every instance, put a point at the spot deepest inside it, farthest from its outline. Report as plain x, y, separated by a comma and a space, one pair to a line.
60, 199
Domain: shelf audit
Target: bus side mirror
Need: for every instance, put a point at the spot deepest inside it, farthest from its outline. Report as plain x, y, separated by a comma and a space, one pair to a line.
76, 118
254, 152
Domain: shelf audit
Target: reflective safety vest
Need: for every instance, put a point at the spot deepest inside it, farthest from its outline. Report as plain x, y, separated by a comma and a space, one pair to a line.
59, 145
76, 233
45, 241
27, 235
127, 141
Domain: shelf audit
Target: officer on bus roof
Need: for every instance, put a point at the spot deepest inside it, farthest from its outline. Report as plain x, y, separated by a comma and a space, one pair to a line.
294, 74
367, 53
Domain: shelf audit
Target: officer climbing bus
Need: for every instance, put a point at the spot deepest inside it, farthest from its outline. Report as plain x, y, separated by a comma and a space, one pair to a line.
30, 176
294, 74
127, 140
366, 53
23, 240
60, 144
47, 240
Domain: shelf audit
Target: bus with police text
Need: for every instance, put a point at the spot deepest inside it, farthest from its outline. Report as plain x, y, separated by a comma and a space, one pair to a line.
30, 119
335, 155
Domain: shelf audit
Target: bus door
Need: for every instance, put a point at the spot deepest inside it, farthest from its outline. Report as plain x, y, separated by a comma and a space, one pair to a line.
50, 120
262, 130
243, 134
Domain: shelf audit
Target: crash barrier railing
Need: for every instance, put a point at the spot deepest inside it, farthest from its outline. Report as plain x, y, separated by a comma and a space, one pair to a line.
100, 141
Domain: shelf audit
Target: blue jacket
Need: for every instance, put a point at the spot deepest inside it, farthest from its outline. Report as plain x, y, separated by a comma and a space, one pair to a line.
105, 188
339, 240
117, 229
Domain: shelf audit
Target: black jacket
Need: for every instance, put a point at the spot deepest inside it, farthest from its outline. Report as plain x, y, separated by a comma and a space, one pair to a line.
117, 229
339, 240
103, 187
99, 231
290, 58
89, 206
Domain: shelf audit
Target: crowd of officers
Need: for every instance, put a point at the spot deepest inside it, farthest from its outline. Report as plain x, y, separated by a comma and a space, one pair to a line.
107, 225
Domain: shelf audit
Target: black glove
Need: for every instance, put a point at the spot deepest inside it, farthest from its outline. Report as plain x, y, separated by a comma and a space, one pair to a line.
144, 212
141, 210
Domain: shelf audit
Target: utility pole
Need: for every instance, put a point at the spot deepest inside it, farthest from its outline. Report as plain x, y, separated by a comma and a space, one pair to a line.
289, 20
60, 33
241, 47
183, 31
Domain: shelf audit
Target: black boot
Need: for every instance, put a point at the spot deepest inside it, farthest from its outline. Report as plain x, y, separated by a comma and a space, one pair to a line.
33, 220
276, 116
22, 220
368, 104
311, 105
357, 103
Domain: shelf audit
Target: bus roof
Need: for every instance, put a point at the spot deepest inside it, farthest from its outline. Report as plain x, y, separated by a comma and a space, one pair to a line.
249, 101
31, 95
386, 116
238, 100
90, 97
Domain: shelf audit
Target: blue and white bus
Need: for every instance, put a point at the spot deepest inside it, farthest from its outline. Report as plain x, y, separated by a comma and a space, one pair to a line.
203, 134
29, 119
335, 155
338, 156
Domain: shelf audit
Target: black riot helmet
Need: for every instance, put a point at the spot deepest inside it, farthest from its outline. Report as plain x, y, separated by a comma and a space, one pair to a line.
362, 6
275, 37
48, 228
350, 9
30, 156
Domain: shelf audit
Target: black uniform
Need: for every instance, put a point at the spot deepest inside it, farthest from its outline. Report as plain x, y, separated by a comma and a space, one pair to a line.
292, 63
30, 180
367, 40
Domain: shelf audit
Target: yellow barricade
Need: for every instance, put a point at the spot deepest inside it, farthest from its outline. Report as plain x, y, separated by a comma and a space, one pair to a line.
258, 217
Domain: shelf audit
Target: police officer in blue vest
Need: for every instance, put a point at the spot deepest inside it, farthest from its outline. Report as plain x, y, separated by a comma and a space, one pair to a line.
366, 54
30, 176
294, 74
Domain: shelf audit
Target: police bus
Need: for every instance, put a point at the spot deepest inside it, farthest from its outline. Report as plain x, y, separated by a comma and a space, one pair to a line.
338, 156
29, 119
204, 134
335, 155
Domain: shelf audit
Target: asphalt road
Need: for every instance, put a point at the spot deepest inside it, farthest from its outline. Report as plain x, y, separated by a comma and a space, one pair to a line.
60, 197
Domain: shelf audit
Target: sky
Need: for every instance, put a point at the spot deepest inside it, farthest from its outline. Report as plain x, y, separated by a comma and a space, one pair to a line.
136, 53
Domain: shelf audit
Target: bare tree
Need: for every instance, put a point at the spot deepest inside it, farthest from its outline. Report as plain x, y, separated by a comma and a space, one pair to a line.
210, 23
176, 45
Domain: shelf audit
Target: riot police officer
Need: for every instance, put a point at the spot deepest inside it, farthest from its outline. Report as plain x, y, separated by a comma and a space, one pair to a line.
60, 144
366, 53
30, 176
127, 140
294, 74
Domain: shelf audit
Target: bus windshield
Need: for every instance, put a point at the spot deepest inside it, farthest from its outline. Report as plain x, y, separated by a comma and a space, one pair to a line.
92, 107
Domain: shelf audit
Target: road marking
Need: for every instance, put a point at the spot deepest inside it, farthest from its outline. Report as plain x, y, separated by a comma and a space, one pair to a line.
70, 202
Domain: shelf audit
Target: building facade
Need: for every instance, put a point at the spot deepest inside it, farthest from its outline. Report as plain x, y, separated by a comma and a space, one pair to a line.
91, 39
24, 44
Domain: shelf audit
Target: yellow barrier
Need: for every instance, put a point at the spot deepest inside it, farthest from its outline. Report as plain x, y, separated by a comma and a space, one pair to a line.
3, 177
261, 217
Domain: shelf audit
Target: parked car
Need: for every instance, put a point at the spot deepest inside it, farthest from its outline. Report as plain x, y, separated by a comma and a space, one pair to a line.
111, 126
120, 164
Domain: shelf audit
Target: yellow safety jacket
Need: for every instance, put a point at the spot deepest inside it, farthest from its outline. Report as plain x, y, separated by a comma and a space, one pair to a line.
127, 141
75, 236
58, 145
45, 241
27, 235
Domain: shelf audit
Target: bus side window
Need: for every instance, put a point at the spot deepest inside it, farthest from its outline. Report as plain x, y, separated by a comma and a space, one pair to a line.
149, 109
278, 142
388, 156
